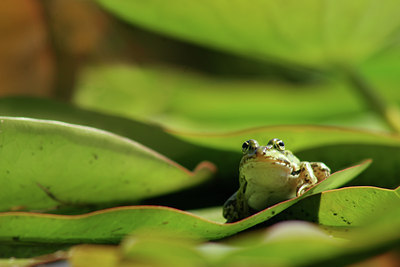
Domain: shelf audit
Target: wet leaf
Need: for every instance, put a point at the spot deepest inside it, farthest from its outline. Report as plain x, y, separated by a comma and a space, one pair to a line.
49, 163
333, 31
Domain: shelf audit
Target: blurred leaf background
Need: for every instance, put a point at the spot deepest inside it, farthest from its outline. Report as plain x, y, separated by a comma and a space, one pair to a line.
192, 80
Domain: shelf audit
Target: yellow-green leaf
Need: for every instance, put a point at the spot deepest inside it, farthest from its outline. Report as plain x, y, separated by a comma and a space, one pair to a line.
309, 32
49, 163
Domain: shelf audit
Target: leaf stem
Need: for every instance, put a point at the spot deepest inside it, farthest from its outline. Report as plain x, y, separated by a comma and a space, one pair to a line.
389, 113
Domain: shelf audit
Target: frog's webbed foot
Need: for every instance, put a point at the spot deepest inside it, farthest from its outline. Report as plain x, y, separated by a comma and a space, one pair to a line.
307, 177
230, 210
320, 170
303, 189
310, 174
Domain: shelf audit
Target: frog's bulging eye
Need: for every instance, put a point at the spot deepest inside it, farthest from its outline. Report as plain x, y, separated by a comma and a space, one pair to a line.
249, 146
280, 145
277, 144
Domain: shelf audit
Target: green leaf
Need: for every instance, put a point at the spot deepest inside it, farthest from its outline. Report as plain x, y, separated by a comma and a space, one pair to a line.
296, 137
46, 163
111, 225
282, 245
150, 135
291, 243
175, 99
333, 31
336, 146
344, 208
382, 72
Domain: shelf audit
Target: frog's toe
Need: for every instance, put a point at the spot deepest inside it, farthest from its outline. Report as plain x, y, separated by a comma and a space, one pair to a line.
320, 170
302, 189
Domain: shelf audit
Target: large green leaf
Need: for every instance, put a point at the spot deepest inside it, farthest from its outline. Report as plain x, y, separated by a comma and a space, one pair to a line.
292, 243
113, 224
176, 99
47, 163
309, 32
344, 208
150, 135
382, 73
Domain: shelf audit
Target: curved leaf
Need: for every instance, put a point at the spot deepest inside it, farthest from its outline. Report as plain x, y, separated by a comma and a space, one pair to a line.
296, 137
45, 163
345, 208
150, 135
176, 99
311, 247
291, 243
112, 224
333, 31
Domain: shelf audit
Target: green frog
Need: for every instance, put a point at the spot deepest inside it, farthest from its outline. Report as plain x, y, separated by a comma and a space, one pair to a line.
268, 175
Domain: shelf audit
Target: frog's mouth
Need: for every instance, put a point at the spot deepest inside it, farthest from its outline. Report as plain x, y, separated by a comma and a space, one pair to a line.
267, 161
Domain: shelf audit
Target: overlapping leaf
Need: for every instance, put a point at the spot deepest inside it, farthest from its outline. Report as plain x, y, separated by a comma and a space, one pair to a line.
176, 99
335, 146
293, 243
48, 163
112, 225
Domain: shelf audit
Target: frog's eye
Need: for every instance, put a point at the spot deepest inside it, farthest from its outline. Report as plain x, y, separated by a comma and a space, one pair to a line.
280, 145
277, 144
249, 146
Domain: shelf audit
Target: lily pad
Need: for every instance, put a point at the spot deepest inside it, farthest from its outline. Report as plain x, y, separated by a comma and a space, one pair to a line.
333, 31
111, 225
48, 163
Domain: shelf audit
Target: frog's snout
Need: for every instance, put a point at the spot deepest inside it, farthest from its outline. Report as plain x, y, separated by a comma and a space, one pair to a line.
261, 151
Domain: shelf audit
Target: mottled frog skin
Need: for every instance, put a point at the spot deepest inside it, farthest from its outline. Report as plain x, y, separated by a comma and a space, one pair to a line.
268, 175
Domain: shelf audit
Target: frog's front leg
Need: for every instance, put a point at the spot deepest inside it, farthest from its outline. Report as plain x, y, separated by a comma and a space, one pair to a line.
230, 208
307, 178
236, 207
321, 171
310, 174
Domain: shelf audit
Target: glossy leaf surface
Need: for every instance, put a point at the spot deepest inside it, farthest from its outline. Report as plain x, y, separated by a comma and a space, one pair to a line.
48, 163
293, 243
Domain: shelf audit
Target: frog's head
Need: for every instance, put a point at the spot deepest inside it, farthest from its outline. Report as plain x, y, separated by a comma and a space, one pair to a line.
273, 151
272, 158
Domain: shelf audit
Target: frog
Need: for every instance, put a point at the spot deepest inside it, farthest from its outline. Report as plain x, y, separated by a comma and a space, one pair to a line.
268, 175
